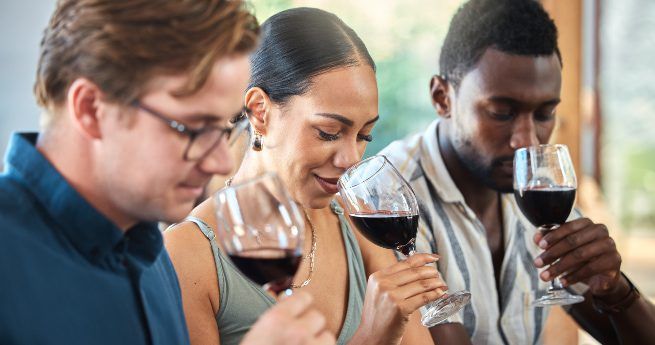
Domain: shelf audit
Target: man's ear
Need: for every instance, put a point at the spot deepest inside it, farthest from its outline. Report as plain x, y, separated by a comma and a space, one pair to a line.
82, 103
439, 92
260, 105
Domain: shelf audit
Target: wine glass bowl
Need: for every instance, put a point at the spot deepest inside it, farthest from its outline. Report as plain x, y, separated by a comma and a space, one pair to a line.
261, 230
386, 214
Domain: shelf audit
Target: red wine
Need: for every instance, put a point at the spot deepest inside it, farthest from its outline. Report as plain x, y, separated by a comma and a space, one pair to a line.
273, 266
386, 228
546, 206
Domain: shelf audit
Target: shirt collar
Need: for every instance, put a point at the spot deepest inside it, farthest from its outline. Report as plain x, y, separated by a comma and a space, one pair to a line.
90, 232
435, 168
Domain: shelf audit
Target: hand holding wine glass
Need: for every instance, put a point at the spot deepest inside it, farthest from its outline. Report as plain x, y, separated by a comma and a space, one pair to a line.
394, 293
582, 251
384, 208
544, 188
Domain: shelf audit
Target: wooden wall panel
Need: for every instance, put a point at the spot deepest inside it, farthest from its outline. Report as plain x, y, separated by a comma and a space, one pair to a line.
568, 18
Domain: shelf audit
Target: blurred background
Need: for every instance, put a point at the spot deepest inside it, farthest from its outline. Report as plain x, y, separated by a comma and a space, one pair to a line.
607, 116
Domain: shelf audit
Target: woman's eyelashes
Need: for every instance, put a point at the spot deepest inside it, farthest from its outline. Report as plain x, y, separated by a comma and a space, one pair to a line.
365, 137
325, 136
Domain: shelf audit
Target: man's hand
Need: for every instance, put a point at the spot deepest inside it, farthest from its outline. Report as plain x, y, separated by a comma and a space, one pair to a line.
292, 321
586, 254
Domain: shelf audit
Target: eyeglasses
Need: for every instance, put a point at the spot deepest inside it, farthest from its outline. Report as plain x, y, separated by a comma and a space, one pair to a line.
204, 140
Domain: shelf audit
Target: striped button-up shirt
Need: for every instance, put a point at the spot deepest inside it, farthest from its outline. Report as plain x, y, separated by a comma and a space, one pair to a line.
451, 229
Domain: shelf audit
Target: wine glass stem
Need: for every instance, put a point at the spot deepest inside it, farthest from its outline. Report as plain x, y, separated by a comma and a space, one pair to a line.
555, 283
408, 249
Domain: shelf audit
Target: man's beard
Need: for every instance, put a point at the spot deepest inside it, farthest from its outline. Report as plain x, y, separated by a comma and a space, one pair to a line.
481, 171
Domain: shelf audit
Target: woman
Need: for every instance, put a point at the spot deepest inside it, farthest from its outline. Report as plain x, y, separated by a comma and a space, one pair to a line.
313, 102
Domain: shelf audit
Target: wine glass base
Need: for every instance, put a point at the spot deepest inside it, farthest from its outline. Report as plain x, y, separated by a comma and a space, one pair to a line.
443, 308
557, 297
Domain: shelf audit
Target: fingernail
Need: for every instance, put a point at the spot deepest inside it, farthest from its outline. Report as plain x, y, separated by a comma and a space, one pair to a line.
435, 256
538, 262
545, 275
543, 244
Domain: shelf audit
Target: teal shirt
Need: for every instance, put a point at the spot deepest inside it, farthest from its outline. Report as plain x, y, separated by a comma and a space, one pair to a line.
242, 302
68, 274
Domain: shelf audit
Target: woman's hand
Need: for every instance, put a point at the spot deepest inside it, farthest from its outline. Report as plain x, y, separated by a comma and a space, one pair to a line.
394, 293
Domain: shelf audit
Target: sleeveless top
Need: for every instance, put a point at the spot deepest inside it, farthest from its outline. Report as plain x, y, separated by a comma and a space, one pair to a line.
241, 302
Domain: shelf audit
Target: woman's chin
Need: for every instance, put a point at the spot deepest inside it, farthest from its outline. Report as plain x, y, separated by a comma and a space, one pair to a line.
318, 201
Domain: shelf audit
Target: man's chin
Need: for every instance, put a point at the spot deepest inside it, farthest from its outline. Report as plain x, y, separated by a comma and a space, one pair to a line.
505, 190
501, 188
503, 185
177, 213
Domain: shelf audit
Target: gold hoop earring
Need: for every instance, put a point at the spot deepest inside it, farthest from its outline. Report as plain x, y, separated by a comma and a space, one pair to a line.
257, 141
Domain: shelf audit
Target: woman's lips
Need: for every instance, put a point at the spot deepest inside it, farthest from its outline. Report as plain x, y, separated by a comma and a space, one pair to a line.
329, 185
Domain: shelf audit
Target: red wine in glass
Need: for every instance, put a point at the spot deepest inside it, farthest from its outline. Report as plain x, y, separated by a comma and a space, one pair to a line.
273, 268
392, 230
546, 206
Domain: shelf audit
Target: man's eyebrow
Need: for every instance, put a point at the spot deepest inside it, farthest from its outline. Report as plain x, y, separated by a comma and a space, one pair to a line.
212, 118
346, 121
502, 99
203, 118
513, 101
554, 101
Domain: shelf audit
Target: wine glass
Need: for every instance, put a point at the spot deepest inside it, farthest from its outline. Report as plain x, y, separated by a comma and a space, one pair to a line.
384, 208
544, 188
261, 230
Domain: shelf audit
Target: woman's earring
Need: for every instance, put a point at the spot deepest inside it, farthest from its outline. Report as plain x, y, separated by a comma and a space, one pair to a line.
257, 141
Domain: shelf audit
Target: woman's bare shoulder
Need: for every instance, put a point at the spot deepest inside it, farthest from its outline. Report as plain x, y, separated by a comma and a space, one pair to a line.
190, 250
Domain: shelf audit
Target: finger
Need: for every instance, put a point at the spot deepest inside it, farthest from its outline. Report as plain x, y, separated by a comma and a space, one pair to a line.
572, 243
295, 304
312, 322
554, 236
420, 286
604, 264
546, 275
416, 260
326, 338
537, 237
582, 255
413, 274
411, 304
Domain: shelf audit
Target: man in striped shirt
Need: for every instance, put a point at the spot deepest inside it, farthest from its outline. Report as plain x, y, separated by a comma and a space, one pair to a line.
498, 89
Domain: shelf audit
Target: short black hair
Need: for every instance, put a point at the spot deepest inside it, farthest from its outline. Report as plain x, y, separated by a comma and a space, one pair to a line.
299, 44
520, 27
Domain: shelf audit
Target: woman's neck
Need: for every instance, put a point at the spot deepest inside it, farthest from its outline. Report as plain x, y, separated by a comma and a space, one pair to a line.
251, 167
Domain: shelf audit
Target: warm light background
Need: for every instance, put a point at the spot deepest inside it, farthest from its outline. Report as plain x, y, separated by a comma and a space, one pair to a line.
607, 117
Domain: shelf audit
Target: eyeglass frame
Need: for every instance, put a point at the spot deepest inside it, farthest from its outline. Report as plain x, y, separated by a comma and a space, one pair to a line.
239, 121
